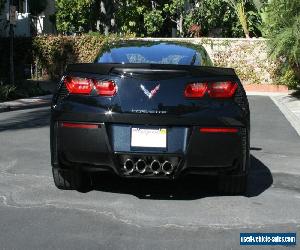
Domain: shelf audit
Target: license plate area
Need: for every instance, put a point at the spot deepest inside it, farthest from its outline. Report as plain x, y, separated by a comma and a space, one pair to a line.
149, 137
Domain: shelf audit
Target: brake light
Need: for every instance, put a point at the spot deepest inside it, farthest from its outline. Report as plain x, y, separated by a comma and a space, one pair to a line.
195, 90
84, 86
78, 85
214, 89
222, 89
105, 88
218, 130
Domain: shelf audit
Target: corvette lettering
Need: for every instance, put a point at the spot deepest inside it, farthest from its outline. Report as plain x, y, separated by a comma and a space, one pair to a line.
148, 111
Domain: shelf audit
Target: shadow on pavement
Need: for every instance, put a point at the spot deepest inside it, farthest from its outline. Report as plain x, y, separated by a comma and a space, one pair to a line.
186, 188
22, 120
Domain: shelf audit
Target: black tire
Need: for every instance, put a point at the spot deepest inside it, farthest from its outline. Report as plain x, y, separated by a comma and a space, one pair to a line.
233, 184
236, 183
66, 179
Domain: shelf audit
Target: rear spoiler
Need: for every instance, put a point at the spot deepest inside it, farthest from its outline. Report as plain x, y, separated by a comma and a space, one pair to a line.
105, 69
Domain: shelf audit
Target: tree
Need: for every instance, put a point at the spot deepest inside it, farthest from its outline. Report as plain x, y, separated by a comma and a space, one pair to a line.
239, 7
175, 11
130, 16
212, 18
153, 21
73, 15
281, 25
103, 13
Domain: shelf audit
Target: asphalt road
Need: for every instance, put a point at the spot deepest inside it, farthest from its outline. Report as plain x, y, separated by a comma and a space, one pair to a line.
119, 214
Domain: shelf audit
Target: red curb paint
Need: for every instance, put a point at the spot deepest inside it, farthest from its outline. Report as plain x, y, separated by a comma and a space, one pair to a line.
266, 88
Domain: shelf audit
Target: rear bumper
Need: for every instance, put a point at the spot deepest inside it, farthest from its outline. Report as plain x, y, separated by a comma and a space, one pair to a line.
106, 146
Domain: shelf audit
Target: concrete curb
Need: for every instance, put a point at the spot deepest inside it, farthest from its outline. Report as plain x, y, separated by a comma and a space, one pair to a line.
26, 103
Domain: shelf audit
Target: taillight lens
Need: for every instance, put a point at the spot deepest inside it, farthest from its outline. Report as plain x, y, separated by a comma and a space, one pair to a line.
215, 89
222, 89
78, 85
195, 90
106, 88
84, 86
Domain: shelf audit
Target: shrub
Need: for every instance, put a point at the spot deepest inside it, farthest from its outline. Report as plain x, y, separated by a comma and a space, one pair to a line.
20, 90
282, 27
53, 53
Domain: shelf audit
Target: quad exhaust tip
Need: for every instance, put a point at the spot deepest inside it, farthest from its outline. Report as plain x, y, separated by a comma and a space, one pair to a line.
129, 166
155, 167
141, 166
167, 168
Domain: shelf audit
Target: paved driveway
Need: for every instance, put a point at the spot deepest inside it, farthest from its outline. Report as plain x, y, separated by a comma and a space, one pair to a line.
119, 214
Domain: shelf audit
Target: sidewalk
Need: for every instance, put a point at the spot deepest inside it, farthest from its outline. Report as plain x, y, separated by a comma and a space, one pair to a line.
32, 102
26, 103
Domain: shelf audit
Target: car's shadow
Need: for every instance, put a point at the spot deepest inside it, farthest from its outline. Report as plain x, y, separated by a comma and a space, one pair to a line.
186, 188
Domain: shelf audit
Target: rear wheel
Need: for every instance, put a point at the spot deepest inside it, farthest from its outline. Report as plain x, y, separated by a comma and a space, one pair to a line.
236, 183
67, 179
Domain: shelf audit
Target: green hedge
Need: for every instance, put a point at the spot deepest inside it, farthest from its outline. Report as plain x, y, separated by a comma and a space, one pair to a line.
53, 53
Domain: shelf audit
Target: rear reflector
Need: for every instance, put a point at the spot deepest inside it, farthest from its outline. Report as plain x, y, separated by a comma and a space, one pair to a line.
105, 88
195, 90
222, 89
78, 85
219, 130
78, 125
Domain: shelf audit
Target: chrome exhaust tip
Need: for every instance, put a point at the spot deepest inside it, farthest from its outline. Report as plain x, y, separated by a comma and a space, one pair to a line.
167, 167
155, 167
128, 166
141, 166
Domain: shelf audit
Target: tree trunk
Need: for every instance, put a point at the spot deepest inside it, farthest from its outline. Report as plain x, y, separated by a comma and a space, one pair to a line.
179, 23
107, 16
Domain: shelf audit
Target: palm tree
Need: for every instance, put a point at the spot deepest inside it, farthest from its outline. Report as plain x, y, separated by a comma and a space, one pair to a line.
239, 7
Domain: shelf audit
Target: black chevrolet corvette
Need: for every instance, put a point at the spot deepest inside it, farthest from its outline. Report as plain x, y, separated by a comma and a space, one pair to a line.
150, 110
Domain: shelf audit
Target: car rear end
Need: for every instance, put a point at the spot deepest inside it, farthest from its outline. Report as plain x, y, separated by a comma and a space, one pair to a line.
151, 121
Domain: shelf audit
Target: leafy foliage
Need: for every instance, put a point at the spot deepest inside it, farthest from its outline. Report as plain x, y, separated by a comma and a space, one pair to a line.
239, 7
20, 90
53, 53
73, 15
153, 21
130, 17
282, 27
215, 18
248, 15
159, 17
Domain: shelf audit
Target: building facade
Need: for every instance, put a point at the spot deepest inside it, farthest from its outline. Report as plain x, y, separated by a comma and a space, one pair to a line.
27, 24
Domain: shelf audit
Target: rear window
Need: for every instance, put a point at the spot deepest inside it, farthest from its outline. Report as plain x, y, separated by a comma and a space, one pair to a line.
154, 54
